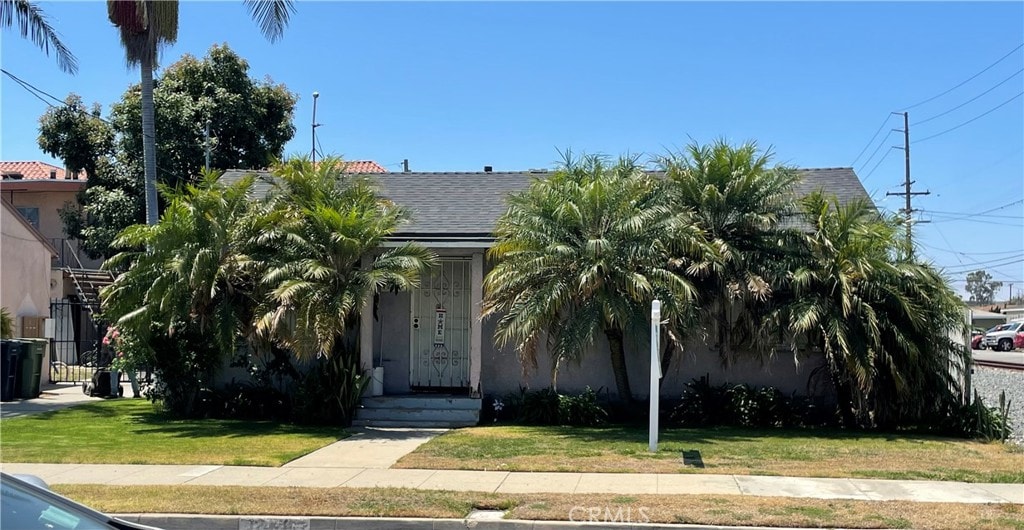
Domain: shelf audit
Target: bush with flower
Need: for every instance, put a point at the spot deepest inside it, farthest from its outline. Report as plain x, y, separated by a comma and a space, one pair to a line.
128, 353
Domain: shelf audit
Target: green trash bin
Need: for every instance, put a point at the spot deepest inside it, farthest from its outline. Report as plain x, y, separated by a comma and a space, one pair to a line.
30, 367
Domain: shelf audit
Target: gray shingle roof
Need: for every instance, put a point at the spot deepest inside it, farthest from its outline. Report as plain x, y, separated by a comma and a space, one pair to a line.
468, 204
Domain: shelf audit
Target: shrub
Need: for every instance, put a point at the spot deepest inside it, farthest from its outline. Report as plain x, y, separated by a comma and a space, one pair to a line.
331, 389
704, 404
184, 366
582, 409
976, 420
547, 407
250, 401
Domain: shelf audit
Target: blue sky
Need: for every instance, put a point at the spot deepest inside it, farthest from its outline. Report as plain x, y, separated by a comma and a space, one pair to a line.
456, 86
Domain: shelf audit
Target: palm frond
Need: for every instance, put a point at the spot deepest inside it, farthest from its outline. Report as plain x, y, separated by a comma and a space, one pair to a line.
34, 25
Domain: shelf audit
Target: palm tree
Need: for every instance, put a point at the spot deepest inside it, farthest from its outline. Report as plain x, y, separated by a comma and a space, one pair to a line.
32, 24
320, 224
739, 200
145, 27
883, 323
585, 251
187, 285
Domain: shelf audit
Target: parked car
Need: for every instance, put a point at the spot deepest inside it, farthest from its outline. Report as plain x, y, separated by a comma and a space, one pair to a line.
1005, 337
978, 340
26, 503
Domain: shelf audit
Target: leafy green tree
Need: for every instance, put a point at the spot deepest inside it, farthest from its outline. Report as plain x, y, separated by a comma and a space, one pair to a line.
33, 24
79, 136
250, 122
250, 119
145, 26
982, 287
585, 251
740, 201
319, 225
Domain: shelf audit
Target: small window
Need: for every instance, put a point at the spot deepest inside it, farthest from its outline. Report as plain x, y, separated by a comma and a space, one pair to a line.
31, 215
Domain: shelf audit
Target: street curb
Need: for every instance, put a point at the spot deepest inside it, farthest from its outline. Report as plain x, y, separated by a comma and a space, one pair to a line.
242, 522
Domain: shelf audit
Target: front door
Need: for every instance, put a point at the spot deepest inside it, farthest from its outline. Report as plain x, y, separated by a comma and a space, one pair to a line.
441, 320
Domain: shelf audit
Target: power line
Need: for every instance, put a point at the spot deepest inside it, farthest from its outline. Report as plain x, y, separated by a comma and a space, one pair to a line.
988, 264
989, 67
987, 112
880, 127
959, 214
35, 91
979, 221
972, 99
873, 153
990, 210
880, 160
968, 254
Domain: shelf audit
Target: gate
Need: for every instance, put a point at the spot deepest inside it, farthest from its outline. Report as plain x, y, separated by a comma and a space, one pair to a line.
76, 350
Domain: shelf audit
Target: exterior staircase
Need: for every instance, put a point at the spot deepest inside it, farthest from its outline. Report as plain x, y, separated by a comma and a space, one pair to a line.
419, 410
88, 283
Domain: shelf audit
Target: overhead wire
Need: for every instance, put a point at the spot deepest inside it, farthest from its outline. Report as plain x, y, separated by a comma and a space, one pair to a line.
873, 153
983, 266
964, 82
986, 113
880, 160
36, 91
880, 127
1015, 74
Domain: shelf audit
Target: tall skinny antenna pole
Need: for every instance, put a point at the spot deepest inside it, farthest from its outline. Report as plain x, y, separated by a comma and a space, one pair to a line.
315, 125
207, 144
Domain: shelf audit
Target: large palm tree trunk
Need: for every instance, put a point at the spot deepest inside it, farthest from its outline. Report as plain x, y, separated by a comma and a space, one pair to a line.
149, 139
618, 354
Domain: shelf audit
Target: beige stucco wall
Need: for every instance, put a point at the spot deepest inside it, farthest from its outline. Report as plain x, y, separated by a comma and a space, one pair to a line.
50, 203
24, 270
502, 373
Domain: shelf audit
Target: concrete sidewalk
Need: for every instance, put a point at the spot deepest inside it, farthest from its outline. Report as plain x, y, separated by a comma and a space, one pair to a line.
518, 482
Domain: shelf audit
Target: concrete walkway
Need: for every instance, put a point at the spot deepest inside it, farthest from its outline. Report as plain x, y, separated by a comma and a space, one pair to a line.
53, 397
518, 482
368, 447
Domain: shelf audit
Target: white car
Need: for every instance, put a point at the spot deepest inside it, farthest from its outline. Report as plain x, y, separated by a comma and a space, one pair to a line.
1005, 337
26, 503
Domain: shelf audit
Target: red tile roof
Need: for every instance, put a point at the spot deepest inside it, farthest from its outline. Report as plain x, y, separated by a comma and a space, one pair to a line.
35, 170
363, 166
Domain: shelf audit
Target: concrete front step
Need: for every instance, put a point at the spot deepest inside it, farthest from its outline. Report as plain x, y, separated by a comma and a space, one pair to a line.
421, 402
412, 424
460, 415
418, 411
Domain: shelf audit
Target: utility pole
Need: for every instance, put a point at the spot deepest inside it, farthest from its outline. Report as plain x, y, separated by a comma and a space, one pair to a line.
207, 144
907, 194
315, 125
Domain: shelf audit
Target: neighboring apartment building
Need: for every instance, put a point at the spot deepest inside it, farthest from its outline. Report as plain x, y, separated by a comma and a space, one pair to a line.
39, 191
62, 284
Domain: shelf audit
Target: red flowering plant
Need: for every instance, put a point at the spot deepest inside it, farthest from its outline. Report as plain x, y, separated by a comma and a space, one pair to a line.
128, 351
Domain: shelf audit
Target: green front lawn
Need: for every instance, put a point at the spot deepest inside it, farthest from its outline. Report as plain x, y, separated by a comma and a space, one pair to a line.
722, 451
135, 431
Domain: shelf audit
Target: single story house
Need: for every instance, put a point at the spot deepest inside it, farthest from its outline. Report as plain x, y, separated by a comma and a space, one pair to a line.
432, 340
986, 319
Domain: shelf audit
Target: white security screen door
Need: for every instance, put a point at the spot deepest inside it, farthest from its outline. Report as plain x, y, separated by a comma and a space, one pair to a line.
441, 320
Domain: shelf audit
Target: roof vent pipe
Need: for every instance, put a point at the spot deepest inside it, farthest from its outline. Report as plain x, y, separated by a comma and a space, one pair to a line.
488, 169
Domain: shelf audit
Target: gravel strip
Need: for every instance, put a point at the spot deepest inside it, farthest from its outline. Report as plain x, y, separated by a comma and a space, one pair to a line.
989, 382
